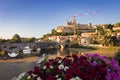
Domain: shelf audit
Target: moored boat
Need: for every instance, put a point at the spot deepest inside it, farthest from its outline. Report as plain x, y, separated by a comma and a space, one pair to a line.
27, 50
13, 54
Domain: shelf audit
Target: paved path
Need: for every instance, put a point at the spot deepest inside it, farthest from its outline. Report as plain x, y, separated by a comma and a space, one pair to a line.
13, 67
8, 70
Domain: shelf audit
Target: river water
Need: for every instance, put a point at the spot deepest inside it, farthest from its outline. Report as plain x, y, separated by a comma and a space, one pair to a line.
64, 52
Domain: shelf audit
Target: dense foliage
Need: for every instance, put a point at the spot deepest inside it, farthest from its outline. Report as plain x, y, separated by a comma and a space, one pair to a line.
17, 39
105, 38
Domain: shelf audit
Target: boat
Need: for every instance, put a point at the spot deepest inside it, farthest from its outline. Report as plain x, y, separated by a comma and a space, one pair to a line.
13, 54
27, 50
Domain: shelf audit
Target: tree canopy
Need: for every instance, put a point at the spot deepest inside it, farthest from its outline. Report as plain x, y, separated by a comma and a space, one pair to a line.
109, 26
16, 38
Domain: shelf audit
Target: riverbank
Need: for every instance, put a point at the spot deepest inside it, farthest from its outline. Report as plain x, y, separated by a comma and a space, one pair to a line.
27, 59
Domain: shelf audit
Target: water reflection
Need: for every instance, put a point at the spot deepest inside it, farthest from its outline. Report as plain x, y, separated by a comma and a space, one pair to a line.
48, 51
59, 53
63, 52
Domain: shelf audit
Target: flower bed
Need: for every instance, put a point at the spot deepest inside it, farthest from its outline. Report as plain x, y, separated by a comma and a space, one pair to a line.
88, 67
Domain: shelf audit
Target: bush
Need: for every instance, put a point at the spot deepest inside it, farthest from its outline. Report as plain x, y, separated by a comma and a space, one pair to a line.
75, 45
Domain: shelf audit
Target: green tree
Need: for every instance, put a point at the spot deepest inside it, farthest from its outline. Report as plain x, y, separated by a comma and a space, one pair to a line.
3, 40
106, 41
16, 38
93, 39
114, 40
101, 32
31, 39
54, 32
109, 26
45, 37
117, 24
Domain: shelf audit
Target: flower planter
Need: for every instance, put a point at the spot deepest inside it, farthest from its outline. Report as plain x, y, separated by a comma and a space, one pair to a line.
88, 67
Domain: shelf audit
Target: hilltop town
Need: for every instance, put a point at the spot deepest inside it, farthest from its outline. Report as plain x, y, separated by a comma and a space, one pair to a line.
86, 34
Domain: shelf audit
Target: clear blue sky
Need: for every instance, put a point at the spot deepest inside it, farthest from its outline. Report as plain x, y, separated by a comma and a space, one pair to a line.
34, 18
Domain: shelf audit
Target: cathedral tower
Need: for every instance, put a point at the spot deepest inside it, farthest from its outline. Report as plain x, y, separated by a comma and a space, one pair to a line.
74, 25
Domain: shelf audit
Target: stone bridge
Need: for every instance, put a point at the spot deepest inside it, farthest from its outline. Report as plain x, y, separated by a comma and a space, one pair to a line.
8, 47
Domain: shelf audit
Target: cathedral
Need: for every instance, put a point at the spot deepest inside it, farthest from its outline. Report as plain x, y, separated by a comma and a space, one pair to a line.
73, 26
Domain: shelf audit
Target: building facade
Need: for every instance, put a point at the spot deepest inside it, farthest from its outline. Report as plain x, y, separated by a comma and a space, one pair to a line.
70, 27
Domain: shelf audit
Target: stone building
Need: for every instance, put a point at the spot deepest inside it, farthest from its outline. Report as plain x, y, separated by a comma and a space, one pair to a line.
71, 26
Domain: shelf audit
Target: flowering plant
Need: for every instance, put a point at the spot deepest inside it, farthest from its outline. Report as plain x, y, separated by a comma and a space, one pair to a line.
87, 67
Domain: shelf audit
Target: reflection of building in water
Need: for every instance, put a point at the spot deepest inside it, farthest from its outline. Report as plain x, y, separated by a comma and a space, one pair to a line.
58, 54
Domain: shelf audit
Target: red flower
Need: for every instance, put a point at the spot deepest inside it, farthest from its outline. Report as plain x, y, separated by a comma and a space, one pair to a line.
69, 70
82, 58
77, 72
36, 70
67, 62
75, 57
75, 65
68, 76
50, 77
58, 71
29, 72
88, 77
47, 64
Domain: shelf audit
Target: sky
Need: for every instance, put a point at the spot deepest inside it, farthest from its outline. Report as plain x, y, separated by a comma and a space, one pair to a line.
35, 18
